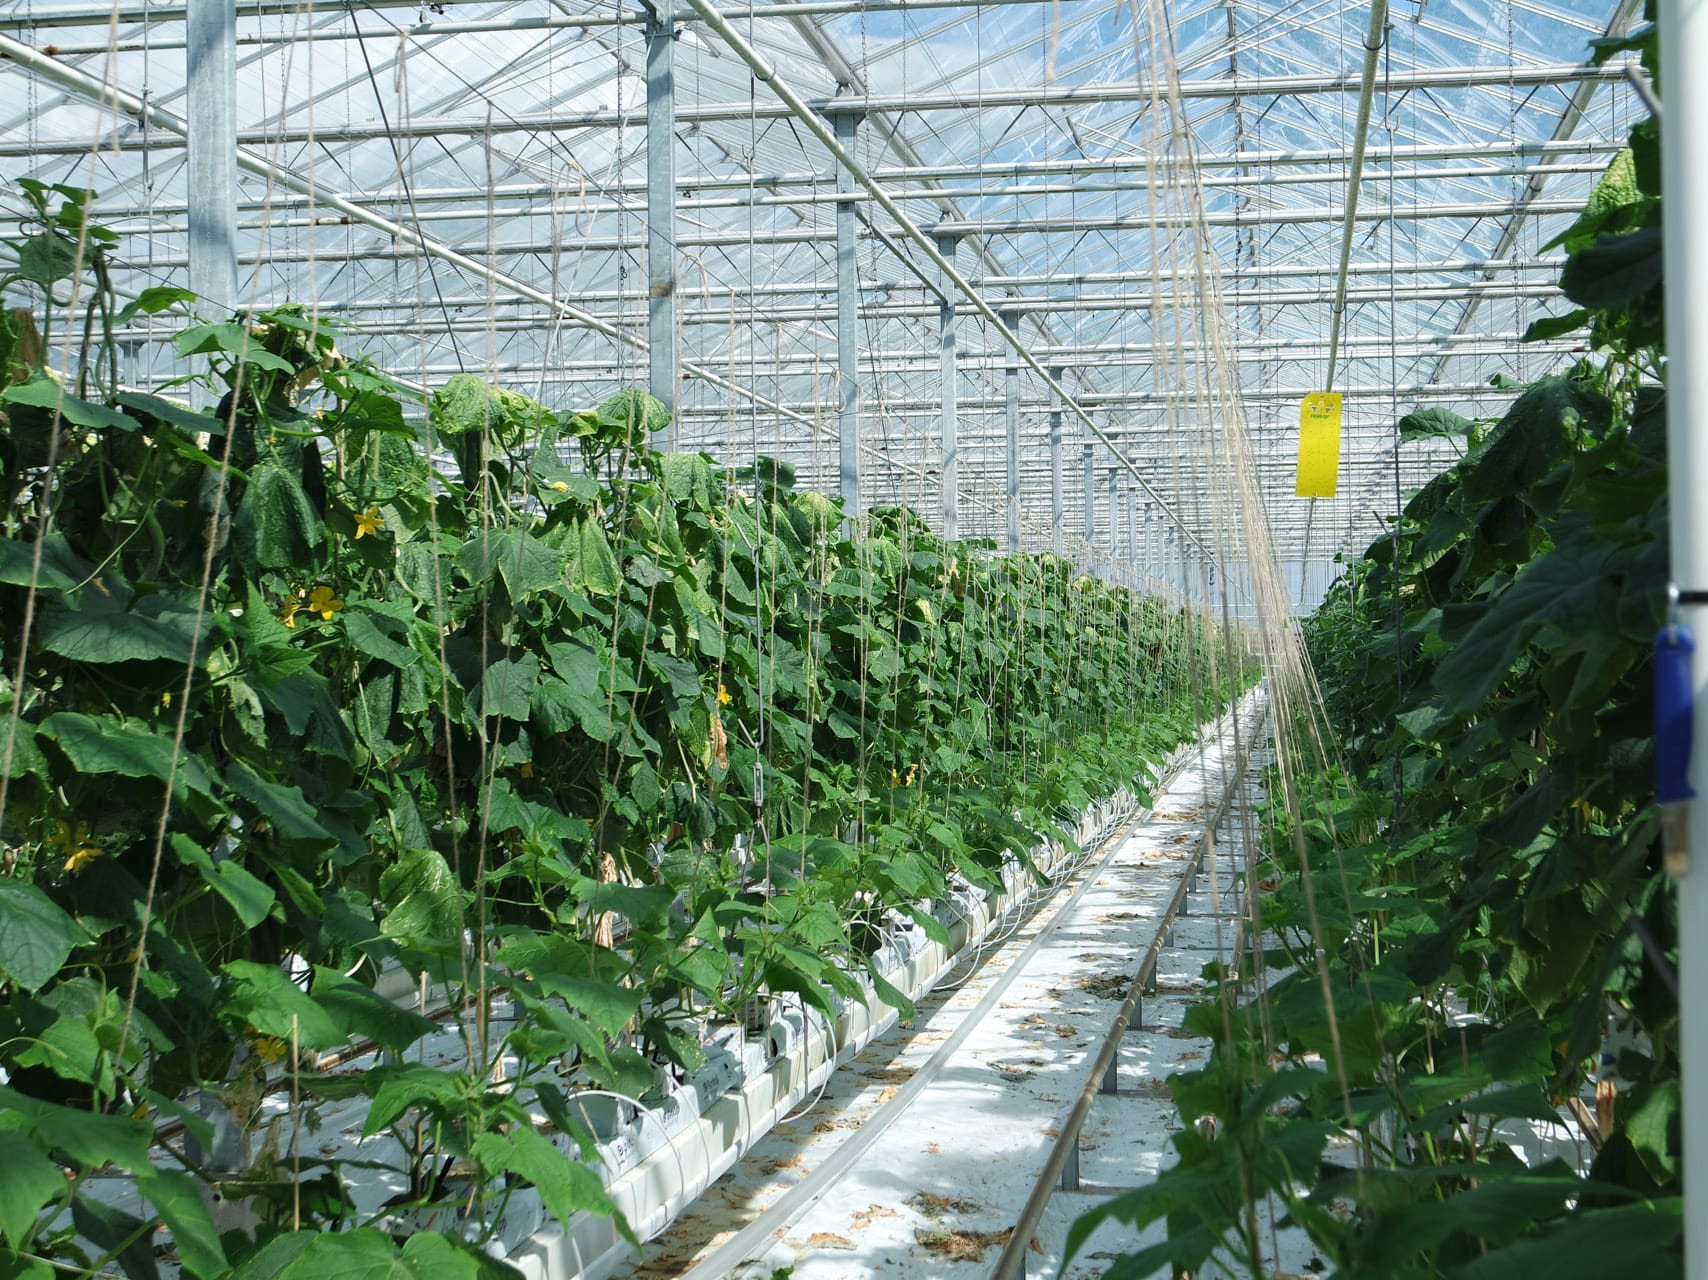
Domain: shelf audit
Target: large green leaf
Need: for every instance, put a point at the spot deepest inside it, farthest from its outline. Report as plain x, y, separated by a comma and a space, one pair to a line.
397, 1086
334, 1010
179, 1203
28, 1181
36, 935
249, 897
102, 744
566, 1185
44, 392
594, 564
102, 627
424, 902
281, 804
86, 1137
1631, 1240
1615, 269
61, 568
1564, 588
1433, 424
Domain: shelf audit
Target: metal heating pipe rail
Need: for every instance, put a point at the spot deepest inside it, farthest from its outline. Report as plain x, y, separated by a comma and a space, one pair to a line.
1061, 1165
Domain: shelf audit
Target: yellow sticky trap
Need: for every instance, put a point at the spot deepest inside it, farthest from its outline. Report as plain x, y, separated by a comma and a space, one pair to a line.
1319, 445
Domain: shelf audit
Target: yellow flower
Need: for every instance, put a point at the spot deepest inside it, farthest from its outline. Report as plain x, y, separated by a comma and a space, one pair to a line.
325, 602
269, 1048
912, 773
527, 770
723, 696
559, 486
166, 699
288, 614
895, 778
368, 522
75, 844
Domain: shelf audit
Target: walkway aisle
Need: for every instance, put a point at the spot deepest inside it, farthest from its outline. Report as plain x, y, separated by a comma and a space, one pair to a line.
931, 1194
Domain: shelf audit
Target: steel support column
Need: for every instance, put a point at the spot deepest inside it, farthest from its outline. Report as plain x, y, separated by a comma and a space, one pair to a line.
1056, 459
1114, 547
1684, 44
1090, 497
664, 355
211, 83
950, 424
847, 327
1012, 414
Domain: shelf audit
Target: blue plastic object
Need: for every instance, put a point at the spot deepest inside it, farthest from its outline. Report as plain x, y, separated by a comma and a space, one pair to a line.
1674, 714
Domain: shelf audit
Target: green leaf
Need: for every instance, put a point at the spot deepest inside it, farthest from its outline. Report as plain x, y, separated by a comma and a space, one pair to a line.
334, 1010
28, 1181
425, 901
101, 628
152, 301
265, 998
233, 339
1616, 269
284, 806
608, 1005
595, 565
249, 897
101, 744
397, 1086
89, 1138
635, 413
1550, 327
1434, 424
162, 410
36, 935
62, 569
361, 1011
565, 1184
116, 1232
44, 392
365, 628
507, 686
275, 521
1631, 1240
176, 1199
45, 259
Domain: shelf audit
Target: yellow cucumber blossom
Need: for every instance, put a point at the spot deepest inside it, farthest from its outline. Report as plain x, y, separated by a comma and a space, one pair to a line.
269, 1048
723, 696
73, 841
325, 602
368, 522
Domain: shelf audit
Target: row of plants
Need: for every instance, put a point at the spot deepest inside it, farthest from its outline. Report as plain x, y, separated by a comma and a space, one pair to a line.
333, 680
1472, 903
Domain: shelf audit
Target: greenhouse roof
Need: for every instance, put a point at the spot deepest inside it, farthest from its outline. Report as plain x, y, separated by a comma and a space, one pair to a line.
1155, 192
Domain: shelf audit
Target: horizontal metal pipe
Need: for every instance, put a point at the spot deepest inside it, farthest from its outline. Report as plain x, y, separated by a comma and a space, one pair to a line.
1130, 93
1300, 351
1120, 162
51, 17
893, 308
768, 236
564, 207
